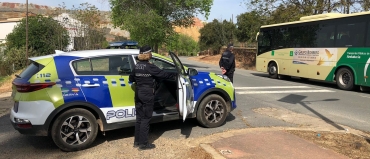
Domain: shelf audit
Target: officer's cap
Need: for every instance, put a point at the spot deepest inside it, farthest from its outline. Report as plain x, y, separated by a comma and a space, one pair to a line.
145, 49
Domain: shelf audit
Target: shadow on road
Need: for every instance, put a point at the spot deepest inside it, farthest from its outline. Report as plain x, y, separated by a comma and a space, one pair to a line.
298, 99
156, 130
12, 139
299, 80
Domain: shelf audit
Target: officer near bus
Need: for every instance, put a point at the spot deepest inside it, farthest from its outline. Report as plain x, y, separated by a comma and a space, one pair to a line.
227, 62
144, 75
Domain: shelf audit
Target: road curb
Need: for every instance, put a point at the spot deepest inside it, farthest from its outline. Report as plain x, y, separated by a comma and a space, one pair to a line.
210, 150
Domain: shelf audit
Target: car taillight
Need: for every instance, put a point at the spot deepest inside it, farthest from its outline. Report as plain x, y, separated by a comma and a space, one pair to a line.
32, 87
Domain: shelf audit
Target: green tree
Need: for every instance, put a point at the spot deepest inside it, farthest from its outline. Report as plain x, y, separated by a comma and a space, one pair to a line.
152, 21
289, 10
214, 35
187, 45
120, 38
45, 35
173, 42
248, 25
14, 59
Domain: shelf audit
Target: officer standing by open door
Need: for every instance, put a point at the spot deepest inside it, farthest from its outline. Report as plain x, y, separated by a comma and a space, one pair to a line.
144, 75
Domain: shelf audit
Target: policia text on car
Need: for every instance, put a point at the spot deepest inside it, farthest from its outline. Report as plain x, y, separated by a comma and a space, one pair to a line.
144, 75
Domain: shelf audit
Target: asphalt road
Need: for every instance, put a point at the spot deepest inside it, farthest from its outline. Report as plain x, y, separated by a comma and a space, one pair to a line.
254, 90
315, 98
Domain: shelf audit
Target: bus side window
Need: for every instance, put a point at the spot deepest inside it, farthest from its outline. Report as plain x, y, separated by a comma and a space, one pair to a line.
324, 34
350, 35
368, 34
264, 42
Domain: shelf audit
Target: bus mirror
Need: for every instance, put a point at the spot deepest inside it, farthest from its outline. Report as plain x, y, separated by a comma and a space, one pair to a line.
258, 33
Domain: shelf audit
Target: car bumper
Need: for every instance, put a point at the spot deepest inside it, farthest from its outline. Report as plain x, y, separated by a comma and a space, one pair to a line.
34, 130
233, 103
26, 128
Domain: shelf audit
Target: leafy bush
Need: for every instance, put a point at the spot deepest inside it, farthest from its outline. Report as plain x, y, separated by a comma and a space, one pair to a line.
44, 35
15, 59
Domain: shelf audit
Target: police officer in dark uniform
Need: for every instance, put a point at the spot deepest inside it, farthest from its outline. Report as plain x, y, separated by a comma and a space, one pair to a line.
144, 75
227, 62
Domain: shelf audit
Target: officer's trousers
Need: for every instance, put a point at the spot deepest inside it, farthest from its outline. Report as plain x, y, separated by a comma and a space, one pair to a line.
144, 103
230, 75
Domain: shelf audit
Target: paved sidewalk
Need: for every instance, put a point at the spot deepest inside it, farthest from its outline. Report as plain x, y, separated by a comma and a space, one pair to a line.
266, 145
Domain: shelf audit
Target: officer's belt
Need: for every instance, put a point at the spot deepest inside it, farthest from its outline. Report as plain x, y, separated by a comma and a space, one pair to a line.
143, 75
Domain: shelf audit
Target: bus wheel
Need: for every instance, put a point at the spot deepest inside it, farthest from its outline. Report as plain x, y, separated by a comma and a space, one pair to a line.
344, 79
273, 70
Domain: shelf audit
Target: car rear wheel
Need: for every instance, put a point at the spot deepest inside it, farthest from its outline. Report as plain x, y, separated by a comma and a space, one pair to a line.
74, 130
212, 111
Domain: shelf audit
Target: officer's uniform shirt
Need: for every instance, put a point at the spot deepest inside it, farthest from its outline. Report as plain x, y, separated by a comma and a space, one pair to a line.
145, 73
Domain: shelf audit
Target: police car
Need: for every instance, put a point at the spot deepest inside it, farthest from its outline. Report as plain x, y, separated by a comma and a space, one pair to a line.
71, 96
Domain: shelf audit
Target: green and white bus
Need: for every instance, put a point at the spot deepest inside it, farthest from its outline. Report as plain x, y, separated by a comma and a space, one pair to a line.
331, 47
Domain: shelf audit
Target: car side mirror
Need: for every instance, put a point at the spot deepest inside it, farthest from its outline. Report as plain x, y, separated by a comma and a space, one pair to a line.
192, 72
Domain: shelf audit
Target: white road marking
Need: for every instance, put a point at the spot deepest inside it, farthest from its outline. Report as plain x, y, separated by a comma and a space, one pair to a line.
364, 96
272, 87
285, 91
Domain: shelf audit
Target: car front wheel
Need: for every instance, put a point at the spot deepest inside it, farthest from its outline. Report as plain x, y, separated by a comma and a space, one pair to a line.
212, 111
74, 130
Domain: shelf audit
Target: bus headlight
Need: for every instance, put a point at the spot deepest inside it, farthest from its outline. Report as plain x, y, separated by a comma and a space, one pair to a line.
224, 77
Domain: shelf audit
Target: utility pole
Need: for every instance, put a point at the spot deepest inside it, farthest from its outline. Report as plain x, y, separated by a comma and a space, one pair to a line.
232, 31
27, 31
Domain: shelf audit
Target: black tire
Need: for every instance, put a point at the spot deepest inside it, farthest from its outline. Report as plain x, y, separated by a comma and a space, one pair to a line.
345, 80
201, 113
273, 70
71, 116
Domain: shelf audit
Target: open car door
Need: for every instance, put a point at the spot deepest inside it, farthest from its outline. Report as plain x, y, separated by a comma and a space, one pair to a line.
185, 91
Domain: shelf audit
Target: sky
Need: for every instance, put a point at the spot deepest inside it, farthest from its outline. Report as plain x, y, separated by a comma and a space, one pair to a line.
221, 9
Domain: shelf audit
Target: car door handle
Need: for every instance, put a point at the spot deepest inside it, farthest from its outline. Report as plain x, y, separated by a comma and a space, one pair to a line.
91, 85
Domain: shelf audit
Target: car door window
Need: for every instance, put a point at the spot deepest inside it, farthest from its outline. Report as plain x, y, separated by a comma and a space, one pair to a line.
160, 63
179, 65
108, 65
100, 66
82, 67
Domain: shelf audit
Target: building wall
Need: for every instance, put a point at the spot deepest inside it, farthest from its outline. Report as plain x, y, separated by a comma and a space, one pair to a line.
5, 29
72, 25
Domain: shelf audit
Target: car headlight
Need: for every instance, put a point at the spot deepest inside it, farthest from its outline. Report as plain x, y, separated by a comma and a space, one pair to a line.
224, 77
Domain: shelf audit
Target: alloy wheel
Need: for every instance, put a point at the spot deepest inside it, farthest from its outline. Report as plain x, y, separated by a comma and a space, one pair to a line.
214, 111
75, 130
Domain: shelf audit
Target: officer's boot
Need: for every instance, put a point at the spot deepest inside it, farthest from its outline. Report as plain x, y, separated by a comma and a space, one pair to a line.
136, 144
146, 146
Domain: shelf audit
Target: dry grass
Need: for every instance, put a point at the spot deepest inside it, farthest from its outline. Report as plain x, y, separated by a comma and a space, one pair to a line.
198, 153
6, 85
345, 143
